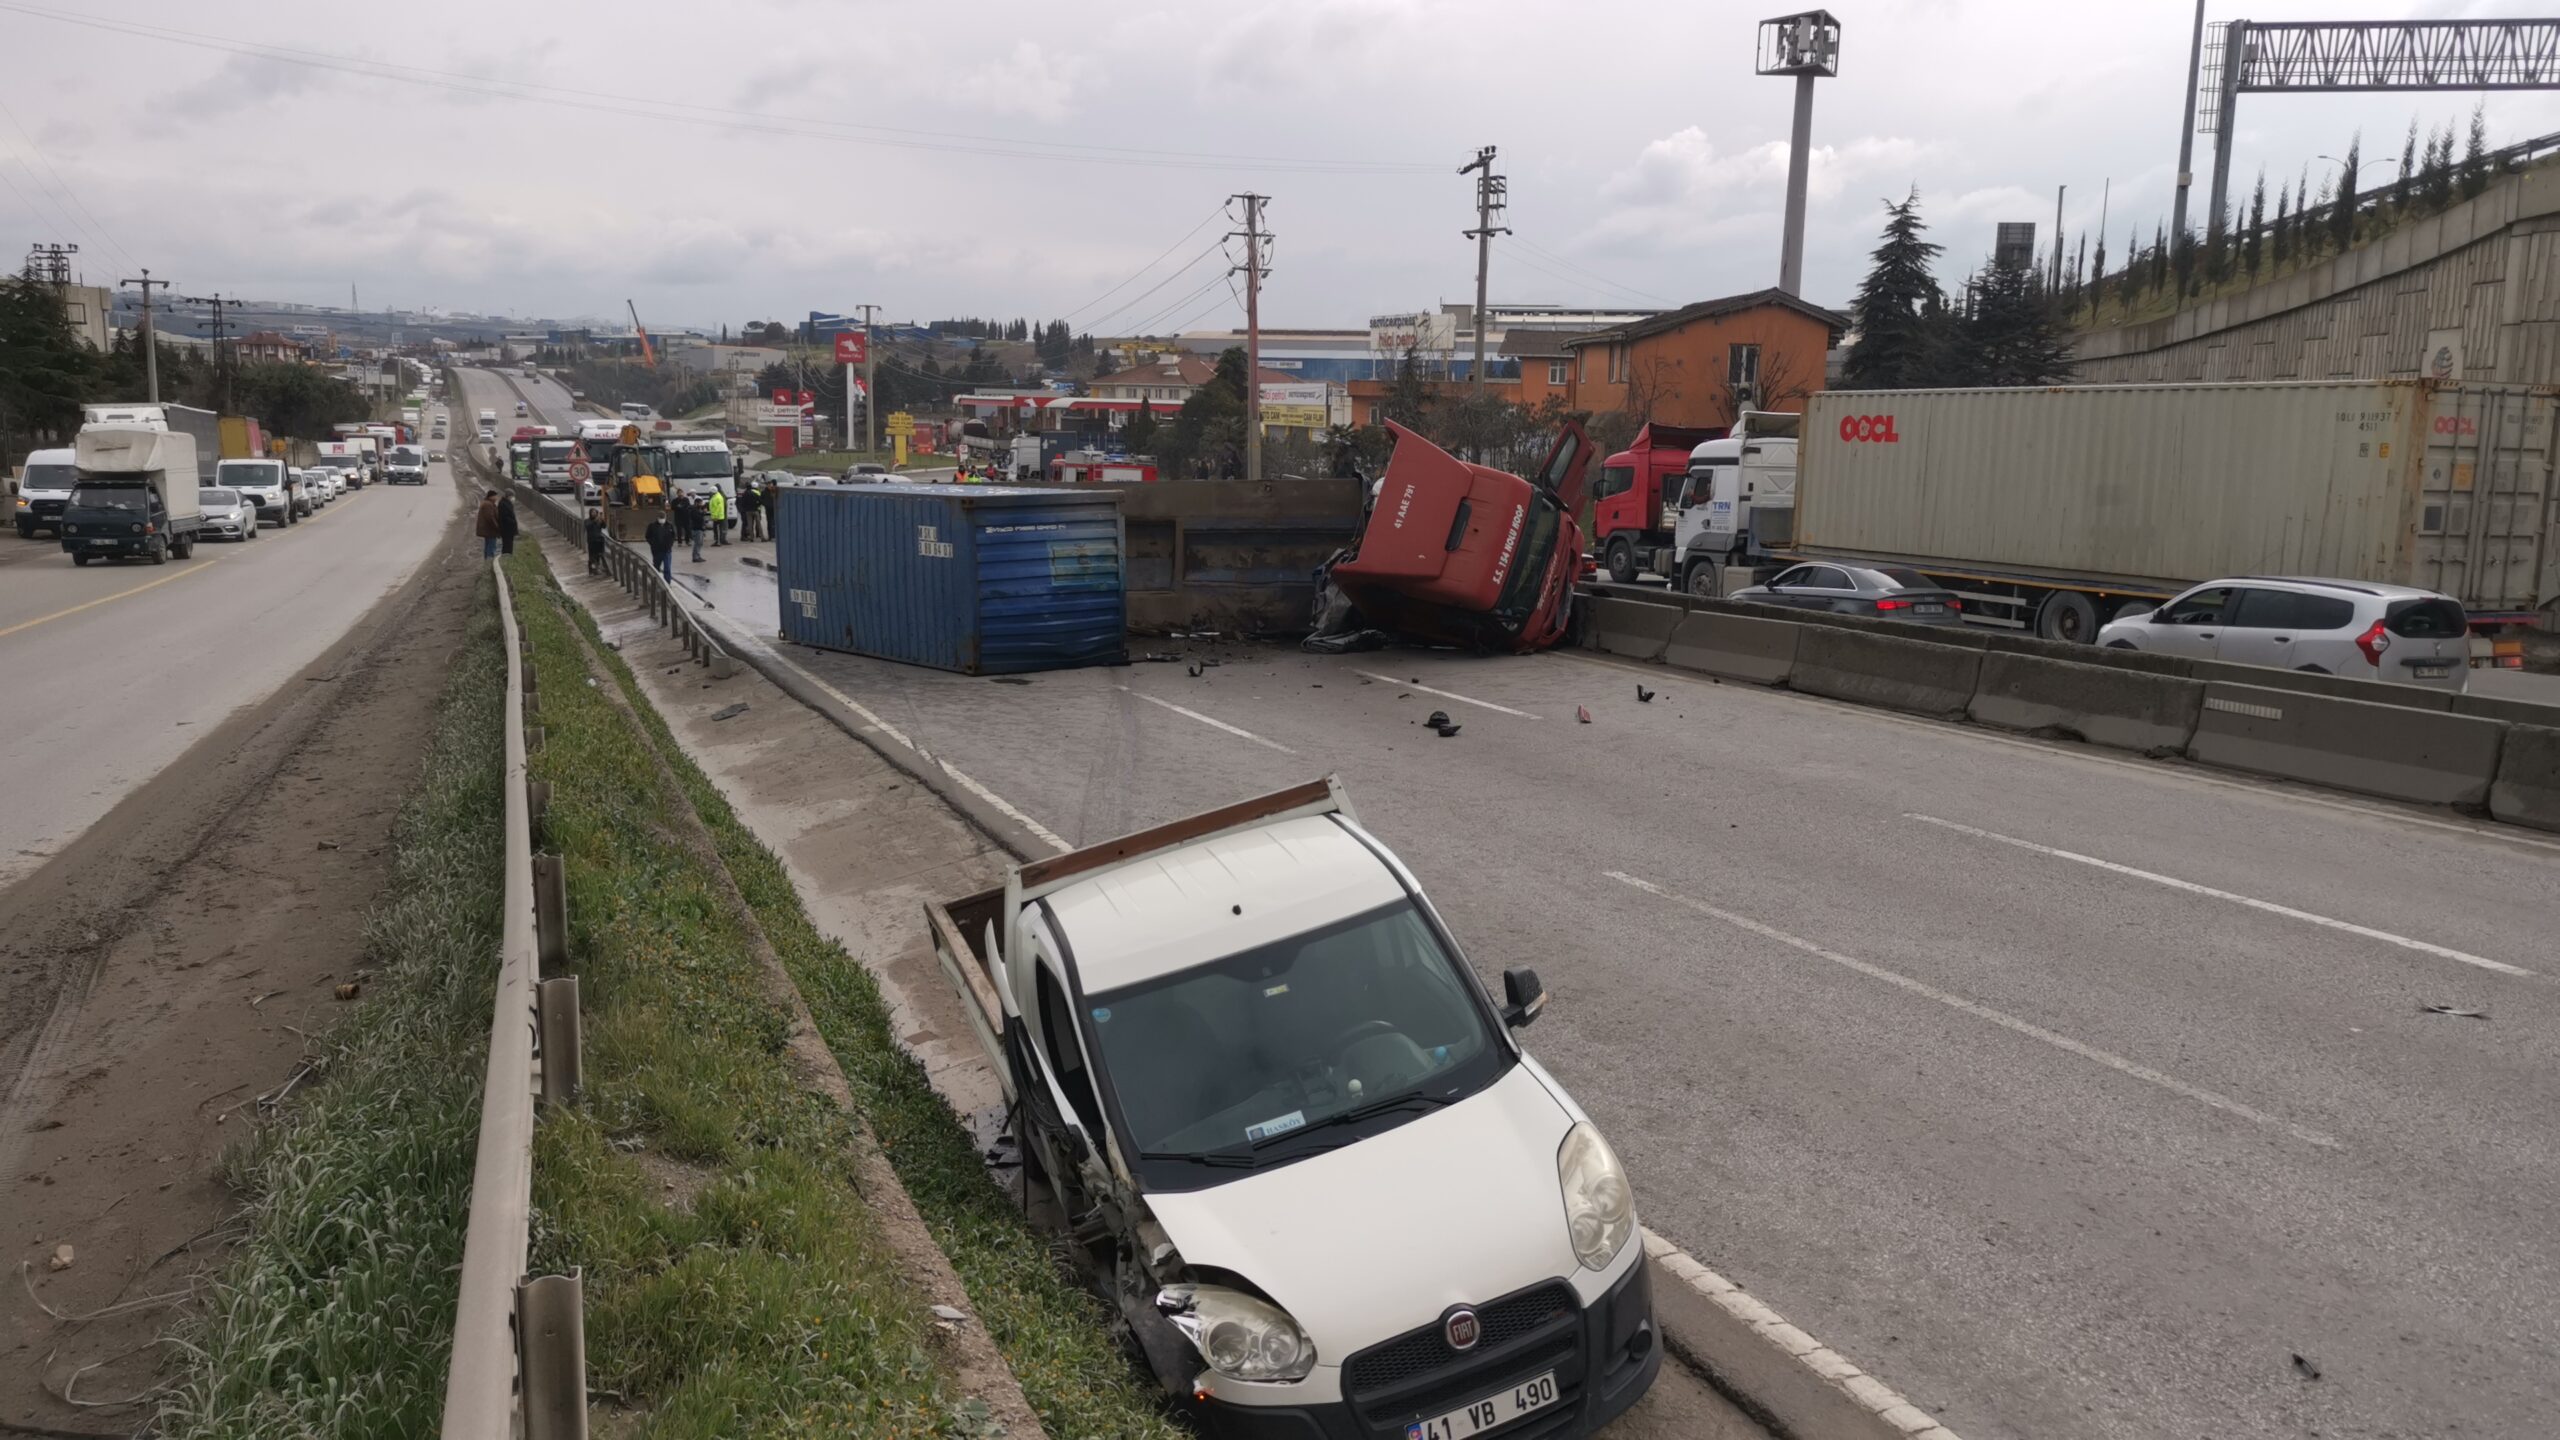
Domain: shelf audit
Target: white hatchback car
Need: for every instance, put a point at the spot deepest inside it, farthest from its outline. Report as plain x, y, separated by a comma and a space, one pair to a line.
2355, 628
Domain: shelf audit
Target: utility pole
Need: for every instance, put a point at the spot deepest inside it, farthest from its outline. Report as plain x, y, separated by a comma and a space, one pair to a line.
1254, 270
1492, 193
150, 338
2187, 125
870, 381
221, 356
2057, 239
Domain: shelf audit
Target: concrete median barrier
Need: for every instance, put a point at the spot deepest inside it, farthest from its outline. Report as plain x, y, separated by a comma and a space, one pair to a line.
2429, 756
2126, 709
1884, 670
2514, 712
2527, 790
2314, 682
1632, 629
1736, 647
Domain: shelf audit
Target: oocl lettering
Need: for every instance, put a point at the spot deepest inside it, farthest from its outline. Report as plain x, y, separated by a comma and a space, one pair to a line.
2457, 425
1875, 428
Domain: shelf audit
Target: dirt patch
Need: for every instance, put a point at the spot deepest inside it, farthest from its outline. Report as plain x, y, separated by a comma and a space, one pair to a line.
166, 972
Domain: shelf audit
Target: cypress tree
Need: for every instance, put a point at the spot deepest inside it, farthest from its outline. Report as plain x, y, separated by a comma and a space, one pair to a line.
2475, 153
2160, 259
2250, 246
2342, 220
2402, 188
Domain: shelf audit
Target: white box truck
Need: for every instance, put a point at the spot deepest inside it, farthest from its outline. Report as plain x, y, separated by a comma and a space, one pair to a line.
2051, 510
135, 497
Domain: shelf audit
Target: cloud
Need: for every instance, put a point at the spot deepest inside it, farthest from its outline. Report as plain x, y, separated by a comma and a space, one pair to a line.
1680, 191
241, 82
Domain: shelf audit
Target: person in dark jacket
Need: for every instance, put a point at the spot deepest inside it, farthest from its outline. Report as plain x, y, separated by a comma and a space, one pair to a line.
662, 547
772, 507
484, 523
696, 520
506, 524
750, 507
595, 541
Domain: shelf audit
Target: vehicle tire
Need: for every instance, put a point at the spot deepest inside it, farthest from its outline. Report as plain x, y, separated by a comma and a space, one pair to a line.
2067, 615
184, 549
1622, 561
26, 531
159, 552
1699, 578
82, 560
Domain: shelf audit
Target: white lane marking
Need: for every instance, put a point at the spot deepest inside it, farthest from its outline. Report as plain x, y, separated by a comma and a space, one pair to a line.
1445, 694
964, 780
2056, 750
2272, 908
1240, 734
1980, 1011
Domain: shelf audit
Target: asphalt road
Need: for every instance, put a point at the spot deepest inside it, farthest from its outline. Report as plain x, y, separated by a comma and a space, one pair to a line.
113, 671
2073, 1094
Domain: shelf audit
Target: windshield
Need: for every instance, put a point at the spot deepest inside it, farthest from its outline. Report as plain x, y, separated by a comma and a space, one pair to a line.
337, 462
210, 496
1255, 1054
553, 452
697, 466
600, 452
1521, 588
111, 497
405, 456
49, 477
259, 474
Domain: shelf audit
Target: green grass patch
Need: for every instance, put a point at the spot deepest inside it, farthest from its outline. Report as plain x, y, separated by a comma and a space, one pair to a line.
335, 1315
735, 1282
1053, 1333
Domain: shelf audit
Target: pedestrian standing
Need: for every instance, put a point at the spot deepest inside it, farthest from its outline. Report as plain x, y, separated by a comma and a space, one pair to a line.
750, 505
506, 524
484, 524
595, 541
718, 500
661, 536
772, 509
693, 523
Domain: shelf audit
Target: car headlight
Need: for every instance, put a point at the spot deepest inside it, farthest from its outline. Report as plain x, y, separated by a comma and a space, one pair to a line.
1599, 1210
1242, 1337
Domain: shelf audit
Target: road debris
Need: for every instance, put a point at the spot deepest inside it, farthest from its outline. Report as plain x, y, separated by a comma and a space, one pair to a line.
1441, 722
730, 712
1582, 713
2303, 1367
349, 990
1643, 696
61, 1258
326, 845
2450, 1010
952, 1313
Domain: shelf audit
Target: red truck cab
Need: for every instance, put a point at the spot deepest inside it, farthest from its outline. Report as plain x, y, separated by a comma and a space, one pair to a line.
1467, 554
1635, 506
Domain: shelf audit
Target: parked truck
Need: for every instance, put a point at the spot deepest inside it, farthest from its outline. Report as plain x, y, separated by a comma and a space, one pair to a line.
135, 496
1635, 504
1296, 1140
2048, 510
242, 438
1462, 554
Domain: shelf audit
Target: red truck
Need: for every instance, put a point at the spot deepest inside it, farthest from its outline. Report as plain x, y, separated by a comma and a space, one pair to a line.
1637, 502
1469, 555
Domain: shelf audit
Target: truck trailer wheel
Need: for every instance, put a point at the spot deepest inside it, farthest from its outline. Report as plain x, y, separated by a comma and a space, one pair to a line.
2067, 615
1622, 561
1699, 578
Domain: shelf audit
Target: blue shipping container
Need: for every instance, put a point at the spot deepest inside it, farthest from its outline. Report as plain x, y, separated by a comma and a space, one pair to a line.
982, 579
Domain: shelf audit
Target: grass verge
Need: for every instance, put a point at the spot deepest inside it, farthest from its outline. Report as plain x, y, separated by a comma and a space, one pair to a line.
735, 1281
335, 1316
1053, 1333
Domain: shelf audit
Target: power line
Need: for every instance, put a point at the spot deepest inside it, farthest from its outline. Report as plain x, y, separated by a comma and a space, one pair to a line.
94, 229
1174, 275
1150, 265
803, 126
1145, 327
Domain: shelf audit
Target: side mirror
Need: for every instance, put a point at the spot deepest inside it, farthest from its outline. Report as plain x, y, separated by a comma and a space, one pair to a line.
1522, 996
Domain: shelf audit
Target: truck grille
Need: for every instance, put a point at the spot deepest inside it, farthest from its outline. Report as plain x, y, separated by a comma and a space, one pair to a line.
1419, 1352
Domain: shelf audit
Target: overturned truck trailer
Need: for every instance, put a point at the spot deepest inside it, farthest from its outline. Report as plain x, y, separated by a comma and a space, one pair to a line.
1235, 556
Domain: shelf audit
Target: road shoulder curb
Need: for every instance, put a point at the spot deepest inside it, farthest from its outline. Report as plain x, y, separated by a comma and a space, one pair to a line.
1782, 1376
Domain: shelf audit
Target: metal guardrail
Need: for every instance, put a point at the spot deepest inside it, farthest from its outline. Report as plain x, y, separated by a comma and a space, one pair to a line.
519, 1343
633, 572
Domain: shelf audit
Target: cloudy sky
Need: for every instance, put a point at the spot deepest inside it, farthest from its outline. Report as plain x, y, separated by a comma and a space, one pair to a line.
761, 158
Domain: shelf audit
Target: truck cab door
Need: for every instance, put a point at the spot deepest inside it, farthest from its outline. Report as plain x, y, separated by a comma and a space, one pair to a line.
1562, 474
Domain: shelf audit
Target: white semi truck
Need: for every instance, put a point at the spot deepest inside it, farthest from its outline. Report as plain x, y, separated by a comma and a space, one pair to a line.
2050, 510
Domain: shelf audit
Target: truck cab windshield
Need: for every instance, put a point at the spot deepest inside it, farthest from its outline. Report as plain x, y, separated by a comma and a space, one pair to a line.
1522, 587
1291, 1049
49, 478
111, 497
700, 465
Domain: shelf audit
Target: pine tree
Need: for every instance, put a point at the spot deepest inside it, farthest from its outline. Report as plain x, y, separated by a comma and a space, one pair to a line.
2011, 334
1896, 341
2160, 259
2404, 187
2098, 279
2250, 248
2182, 259
2475, 153
2129, 289
2342, 221
2435, 174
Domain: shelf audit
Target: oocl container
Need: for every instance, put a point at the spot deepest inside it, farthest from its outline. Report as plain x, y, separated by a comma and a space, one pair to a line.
985, 580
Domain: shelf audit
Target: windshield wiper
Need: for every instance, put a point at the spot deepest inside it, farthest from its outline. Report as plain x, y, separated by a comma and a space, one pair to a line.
1227, 1159
1359, 1113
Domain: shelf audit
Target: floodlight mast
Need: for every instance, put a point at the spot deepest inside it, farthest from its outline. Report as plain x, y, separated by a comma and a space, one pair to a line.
1806, 46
